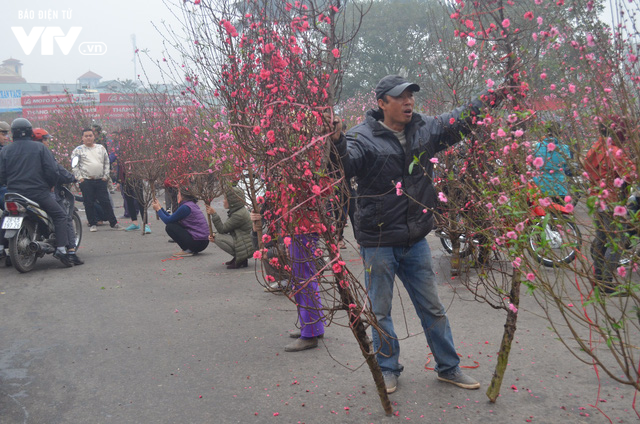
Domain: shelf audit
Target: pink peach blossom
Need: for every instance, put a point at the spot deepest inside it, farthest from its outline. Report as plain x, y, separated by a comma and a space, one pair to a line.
622, 271
619, 211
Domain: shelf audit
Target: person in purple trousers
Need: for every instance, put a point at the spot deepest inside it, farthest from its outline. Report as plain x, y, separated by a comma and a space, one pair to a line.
305, 290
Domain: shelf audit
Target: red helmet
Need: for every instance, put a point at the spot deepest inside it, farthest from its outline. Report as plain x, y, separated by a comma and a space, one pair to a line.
40, 134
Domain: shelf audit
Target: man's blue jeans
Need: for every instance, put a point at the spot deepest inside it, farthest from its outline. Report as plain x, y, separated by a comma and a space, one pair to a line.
412, 264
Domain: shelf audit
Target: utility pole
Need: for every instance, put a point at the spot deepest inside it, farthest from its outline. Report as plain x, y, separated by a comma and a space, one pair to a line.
135, 56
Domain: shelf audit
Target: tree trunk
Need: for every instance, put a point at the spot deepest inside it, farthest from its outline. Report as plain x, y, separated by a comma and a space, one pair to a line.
507, 338
145, 206
367, 351
360, 333
210, 223
454, 261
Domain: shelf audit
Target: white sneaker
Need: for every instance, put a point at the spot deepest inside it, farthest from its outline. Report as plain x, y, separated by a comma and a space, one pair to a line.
93, 229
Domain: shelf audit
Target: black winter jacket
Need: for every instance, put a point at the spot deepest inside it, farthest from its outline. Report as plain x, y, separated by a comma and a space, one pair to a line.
373, 154
64, 176
27, 167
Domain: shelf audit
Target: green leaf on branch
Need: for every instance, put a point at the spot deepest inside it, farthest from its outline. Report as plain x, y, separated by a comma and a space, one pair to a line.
416, 161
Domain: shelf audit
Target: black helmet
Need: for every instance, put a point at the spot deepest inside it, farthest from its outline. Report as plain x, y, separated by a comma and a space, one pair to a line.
21, 128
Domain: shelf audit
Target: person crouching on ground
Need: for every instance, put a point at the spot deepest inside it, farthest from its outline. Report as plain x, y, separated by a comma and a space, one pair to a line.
187, 226
234, 236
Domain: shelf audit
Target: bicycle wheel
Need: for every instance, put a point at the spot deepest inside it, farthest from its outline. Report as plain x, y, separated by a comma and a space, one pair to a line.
465, 248
631, 254
554, 241
466, 245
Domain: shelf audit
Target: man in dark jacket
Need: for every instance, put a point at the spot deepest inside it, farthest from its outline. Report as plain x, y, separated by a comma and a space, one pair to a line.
394, 213
29, 168
63, 197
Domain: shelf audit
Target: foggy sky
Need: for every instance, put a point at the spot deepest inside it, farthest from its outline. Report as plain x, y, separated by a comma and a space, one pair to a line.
109, 22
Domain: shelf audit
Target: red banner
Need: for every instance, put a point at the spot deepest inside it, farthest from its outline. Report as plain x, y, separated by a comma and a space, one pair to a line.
116, 112
55, 99
44, 113
102, 105
116, 98
132, 98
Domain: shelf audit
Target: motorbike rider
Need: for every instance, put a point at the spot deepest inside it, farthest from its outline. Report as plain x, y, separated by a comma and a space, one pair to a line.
29, 168
58, 193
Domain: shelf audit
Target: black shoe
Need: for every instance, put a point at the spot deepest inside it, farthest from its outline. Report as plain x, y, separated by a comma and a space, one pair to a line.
75, 259
236, 265
230, 262
64, 258
7, 259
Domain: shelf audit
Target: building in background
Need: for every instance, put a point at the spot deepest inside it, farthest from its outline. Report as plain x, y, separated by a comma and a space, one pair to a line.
11, 72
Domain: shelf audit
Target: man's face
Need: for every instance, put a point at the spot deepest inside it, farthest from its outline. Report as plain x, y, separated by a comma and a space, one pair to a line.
397, 110
4, 138
88, 139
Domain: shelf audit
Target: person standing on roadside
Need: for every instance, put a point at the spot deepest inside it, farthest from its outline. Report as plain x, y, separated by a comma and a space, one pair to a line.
4, 140
5, 129
610, 172
394, 213
91, 169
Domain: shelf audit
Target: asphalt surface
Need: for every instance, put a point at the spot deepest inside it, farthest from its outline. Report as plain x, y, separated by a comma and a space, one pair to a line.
133, 336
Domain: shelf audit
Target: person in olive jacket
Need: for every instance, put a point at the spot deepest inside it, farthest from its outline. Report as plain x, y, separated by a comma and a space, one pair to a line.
234, 235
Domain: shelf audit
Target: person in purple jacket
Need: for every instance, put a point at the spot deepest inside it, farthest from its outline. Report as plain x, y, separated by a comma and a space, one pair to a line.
187, 225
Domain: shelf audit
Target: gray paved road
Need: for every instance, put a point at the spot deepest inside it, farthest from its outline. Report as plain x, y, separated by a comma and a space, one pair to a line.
131, 337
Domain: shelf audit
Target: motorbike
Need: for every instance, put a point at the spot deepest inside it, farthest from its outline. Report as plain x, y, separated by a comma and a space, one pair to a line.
553, 238
30, 230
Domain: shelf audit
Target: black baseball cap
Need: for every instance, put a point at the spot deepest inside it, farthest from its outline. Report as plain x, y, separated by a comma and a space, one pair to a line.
394, 85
